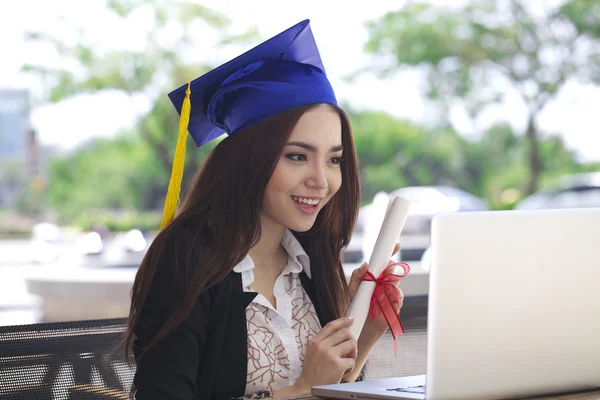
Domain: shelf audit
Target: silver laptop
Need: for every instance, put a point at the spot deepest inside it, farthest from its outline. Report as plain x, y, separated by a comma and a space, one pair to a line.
514, 309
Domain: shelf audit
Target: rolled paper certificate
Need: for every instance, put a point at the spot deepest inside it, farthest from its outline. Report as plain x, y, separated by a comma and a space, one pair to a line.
375, 216
382, 252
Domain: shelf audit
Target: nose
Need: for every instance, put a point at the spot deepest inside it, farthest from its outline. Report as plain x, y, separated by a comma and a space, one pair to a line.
317, 178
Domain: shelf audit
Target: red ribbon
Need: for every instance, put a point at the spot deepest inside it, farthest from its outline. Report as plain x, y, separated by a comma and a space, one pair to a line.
383, 296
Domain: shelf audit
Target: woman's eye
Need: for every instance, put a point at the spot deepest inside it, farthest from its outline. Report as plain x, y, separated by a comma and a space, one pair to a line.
296, 157
336, 160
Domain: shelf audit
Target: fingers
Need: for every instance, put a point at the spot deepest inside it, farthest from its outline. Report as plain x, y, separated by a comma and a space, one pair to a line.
341, 342
338, 337
353, 353
356, 277
346, 349
331, 328
396, 249
335, 341
360, 272
347, 364
397, 305
401, 298
347, 361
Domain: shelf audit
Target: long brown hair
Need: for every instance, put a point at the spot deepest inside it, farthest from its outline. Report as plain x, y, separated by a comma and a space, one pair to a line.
221, 216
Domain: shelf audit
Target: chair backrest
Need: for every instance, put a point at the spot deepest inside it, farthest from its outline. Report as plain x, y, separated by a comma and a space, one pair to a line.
411, 358
65, 360
85, 360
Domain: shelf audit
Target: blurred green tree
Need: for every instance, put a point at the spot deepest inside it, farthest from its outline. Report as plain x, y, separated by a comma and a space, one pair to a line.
132, 169
105, 173
122, 172
394, 153
477, 55
169, 59
13, 176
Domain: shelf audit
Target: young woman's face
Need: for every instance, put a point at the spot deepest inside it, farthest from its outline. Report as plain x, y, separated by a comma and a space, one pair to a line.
308, 173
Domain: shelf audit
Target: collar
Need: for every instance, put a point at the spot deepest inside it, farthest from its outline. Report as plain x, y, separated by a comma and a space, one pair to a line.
298, 260
296, 253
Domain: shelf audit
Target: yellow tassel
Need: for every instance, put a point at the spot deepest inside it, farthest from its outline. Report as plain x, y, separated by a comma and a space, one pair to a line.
172, 200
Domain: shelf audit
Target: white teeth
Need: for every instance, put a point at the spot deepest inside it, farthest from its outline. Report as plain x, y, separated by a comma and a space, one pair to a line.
310, 202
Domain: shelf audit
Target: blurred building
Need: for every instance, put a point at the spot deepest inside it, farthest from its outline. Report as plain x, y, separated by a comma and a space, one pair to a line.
19, 154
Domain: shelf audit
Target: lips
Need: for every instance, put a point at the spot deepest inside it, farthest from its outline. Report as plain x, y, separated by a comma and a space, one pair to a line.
307, 205
306, 201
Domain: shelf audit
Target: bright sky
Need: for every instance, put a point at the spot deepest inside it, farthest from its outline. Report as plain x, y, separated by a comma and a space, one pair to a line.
337, 26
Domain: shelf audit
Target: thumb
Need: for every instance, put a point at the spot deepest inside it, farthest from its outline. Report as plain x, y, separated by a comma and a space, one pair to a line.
356, 277
396, 249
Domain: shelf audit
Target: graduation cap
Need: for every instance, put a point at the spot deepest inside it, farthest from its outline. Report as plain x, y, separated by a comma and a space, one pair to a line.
283, 72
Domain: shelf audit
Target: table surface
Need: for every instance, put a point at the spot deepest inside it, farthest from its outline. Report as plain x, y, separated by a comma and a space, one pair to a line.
589, 395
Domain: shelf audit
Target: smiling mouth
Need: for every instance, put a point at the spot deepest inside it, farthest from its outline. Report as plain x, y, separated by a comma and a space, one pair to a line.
306, 202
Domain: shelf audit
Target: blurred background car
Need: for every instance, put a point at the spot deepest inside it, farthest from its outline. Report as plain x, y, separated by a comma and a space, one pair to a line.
90, 244
572, 191
353, 253
426, 202
42, 246
416, 235
134, 241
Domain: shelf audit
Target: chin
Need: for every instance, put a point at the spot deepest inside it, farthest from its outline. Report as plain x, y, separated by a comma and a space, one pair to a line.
301, 226
301, 229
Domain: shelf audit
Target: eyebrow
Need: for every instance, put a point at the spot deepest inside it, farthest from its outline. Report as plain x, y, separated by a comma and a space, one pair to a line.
310, 147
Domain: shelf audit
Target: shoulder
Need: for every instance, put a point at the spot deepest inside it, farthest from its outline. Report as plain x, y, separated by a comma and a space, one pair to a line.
179, 251
173, 257
167, 266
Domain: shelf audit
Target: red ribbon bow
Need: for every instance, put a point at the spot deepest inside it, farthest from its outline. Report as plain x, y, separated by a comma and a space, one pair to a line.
383, 296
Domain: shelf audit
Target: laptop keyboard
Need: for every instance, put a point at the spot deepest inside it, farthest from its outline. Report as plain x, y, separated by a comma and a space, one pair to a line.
410, 389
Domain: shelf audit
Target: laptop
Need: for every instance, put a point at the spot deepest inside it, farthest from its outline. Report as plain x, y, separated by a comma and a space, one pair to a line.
514, 309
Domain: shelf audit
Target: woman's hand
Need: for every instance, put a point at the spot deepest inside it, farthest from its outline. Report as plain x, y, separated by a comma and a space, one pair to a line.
330, 354
374, 327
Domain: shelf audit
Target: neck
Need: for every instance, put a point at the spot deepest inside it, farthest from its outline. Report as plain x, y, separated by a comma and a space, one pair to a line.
268, 250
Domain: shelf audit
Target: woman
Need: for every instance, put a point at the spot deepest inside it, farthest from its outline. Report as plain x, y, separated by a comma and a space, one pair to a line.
243, 292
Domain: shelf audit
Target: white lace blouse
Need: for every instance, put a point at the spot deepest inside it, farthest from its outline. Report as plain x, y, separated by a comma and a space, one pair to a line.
277, 337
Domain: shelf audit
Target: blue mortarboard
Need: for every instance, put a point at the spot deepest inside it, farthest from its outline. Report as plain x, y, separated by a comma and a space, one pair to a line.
283, 72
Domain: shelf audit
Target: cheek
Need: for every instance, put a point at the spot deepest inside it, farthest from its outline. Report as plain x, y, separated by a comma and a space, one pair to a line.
278, 181
335, 182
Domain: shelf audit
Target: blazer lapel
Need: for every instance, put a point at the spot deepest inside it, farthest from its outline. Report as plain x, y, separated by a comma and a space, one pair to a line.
233, 366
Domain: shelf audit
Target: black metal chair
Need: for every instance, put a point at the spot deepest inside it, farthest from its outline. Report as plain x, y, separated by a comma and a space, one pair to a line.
412, 345
84, 360
65, 360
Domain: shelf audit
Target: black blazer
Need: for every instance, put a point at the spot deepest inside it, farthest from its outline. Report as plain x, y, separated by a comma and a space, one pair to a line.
206, 356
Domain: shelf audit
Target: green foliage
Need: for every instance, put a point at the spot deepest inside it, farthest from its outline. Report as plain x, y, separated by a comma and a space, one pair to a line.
161, 65
461, 51
123, 172
120, 221
31, 201
106, 173
584, 15
395, 153
133, 170
464, 51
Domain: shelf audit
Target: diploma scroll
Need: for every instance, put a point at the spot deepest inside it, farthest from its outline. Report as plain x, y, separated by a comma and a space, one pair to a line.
382, 252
